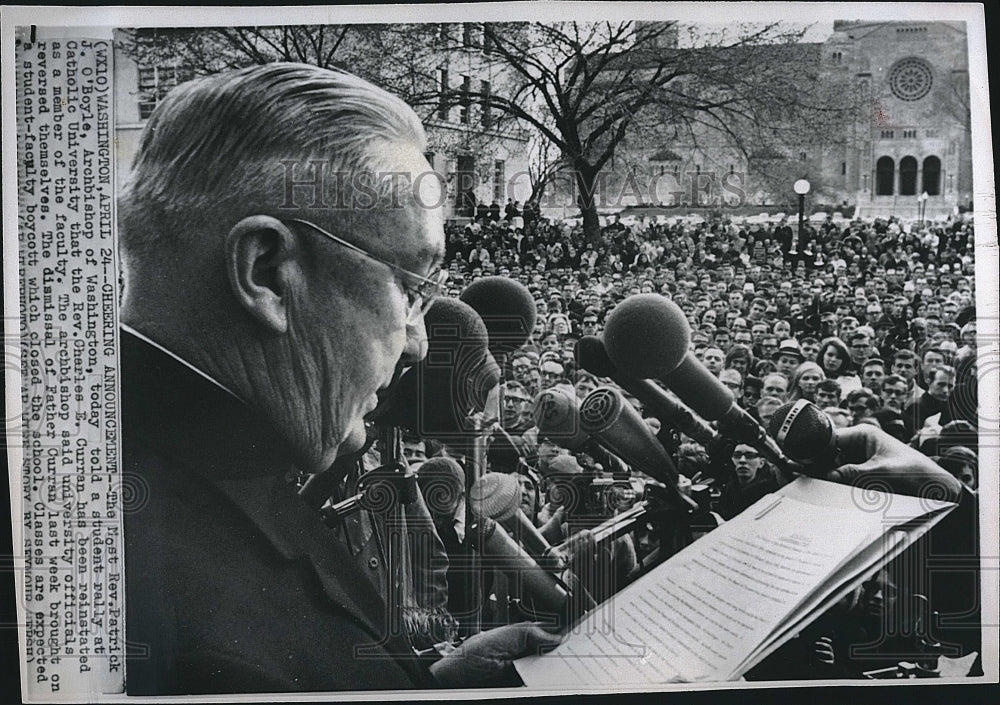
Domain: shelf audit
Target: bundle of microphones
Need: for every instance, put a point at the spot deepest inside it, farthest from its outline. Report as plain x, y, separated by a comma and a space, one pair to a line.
644, 351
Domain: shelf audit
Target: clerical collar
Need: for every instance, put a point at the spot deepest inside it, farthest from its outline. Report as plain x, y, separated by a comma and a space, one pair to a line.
179, 359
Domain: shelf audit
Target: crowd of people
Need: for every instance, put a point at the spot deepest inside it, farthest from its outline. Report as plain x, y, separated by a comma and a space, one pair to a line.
261, 335
874, 322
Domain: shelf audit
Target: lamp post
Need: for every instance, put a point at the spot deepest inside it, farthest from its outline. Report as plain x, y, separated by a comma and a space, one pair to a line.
801, 187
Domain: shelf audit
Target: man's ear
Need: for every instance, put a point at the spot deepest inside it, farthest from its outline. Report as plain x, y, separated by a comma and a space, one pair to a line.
261, 264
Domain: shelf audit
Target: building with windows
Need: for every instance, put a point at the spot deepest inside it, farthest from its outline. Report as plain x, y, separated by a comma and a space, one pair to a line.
903, 148
479, 155
915, 77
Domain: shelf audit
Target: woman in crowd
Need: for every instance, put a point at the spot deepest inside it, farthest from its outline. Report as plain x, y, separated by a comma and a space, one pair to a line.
835, 362
806, 379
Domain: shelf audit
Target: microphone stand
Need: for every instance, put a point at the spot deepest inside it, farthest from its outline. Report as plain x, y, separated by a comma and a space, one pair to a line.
475, 467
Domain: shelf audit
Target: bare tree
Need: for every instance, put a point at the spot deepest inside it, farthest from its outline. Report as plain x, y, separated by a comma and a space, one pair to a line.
586, 86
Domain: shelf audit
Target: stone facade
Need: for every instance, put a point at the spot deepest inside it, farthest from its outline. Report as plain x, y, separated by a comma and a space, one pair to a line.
910, 133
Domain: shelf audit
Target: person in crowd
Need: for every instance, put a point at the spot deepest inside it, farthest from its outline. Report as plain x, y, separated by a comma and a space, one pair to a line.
860, 347
810, 348
873, 374
414, 450
739, 358
552, 373
963, 463
935, 400
776, 385
752, 390
733, 380
787, 357
905, 363
766, 407
862, 404
835, 360
806, 381
752, 480
713, 359
895, 392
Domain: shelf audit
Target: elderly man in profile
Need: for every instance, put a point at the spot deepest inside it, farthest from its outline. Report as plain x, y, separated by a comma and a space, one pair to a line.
260, 322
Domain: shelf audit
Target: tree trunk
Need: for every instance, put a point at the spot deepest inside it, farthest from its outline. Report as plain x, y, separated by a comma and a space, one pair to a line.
586, 199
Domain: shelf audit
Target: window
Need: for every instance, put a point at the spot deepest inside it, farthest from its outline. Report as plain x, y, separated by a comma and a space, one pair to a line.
466, 100
486, 113
909, 134
887, 134
443, 111
499, 180
487, 40
932, 176
885, 174
155, 82
843, 168
911, 79
444, 32
908, 176
470, 35
802, 156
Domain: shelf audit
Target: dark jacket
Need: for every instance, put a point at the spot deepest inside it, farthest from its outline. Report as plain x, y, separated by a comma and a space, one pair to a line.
233, 584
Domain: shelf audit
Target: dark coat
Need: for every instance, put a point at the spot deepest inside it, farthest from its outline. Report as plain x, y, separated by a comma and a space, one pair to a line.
233, 584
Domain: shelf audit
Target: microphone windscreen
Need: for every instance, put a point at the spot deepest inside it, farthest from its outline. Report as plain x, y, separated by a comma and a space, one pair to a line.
803, 431
442, 483
496, 496
434, 397
506, 307
557, 415
646, 336
592, 356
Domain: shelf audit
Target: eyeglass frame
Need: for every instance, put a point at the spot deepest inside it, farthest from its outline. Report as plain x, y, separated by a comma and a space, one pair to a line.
419, 300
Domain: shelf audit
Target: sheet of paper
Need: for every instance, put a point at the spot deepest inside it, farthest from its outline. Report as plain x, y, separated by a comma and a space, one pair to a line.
698, 615
739, 591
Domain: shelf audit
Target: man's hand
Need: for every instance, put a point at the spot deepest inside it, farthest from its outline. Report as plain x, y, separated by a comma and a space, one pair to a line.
486, 658
873, 457
823, 649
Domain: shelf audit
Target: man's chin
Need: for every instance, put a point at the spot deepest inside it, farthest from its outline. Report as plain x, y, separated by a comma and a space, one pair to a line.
355, 440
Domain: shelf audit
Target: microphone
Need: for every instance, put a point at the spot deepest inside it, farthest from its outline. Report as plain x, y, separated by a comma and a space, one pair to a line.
606, 416
593, 357
435, 397
641, 335
806, 435
557, 415
507, 309
500, 550
498, 496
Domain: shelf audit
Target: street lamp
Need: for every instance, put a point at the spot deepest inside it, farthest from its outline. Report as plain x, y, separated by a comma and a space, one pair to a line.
801, 187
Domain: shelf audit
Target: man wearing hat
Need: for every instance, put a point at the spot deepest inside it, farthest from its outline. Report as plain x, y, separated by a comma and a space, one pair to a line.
787, 357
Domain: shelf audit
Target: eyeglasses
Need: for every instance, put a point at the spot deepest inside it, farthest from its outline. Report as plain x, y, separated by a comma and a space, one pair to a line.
748, 454
419, 296
515, 400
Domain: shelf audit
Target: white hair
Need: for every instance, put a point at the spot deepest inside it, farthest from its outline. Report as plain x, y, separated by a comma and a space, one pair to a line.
218, 148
